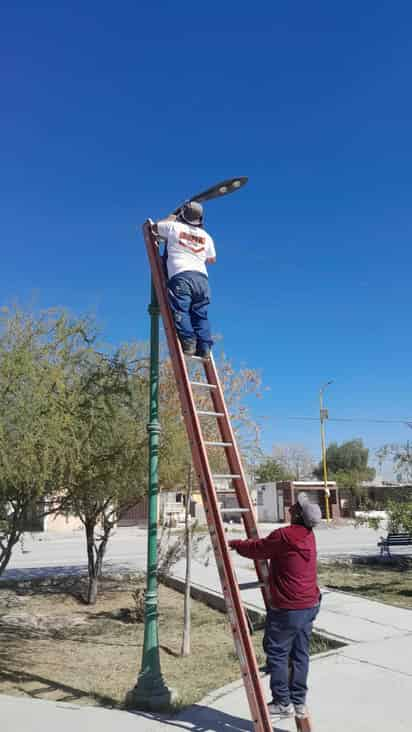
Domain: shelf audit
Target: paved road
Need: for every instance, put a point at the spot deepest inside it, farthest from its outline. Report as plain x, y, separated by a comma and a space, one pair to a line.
127, 549
340, 540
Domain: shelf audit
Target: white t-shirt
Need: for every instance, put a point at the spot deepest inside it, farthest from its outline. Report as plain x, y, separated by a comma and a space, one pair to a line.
188, 247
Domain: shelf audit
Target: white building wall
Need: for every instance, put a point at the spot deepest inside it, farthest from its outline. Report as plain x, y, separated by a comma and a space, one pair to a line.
267, 504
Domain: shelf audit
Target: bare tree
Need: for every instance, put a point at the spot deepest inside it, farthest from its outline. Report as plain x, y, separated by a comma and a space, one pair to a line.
188, 574
401, 456
173, 547
295, 459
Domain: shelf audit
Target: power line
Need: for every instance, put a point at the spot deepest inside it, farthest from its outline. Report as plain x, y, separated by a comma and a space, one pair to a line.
407, 422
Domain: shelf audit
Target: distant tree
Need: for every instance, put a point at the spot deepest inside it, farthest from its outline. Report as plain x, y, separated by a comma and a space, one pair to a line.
349, 456
239, 385
270, 470
398, 506
399, 516
174, 452
295, 459
401, 456
348, 465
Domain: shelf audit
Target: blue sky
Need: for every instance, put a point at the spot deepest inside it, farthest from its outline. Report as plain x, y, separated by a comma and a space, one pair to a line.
113, 113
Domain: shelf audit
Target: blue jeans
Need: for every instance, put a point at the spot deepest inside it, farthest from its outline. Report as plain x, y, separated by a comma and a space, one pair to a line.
287, 636
189, 296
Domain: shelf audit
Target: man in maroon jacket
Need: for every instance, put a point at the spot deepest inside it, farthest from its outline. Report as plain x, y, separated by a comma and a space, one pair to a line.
295, 603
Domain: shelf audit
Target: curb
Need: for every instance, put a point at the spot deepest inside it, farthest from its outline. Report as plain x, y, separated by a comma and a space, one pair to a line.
257, 616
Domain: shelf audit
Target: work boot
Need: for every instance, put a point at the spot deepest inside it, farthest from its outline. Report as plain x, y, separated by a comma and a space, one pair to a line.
203, 351
189, 346
280, 711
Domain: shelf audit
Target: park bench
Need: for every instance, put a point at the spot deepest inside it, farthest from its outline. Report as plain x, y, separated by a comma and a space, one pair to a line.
399, 539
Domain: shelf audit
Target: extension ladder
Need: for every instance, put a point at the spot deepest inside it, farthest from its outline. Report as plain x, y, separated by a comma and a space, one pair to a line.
199, 448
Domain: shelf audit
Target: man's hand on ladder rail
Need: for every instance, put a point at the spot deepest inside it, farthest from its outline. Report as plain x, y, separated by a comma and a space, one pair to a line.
153, 229
233, 544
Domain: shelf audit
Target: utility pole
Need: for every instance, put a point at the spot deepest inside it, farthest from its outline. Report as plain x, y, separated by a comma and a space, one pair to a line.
323, 415
151, 690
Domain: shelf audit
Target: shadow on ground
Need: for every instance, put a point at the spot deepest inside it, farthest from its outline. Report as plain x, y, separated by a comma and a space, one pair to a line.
34, 685
58, 692
72, 580
199, 718
40, 573
79, 570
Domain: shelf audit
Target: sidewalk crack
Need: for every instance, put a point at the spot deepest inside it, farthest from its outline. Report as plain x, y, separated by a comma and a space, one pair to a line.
378, 665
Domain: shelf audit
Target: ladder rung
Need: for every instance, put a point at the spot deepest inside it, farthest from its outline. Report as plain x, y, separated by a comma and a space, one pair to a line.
218, 476
250, 585
204, 384
195, 358
201, 413
219, 444
234, 510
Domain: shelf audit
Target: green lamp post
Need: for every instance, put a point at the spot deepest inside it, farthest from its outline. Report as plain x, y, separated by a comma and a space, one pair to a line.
151, 690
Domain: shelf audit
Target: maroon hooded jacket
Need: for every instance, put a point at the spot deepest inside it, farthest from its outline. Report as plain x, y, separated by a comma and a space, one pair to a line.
293, 575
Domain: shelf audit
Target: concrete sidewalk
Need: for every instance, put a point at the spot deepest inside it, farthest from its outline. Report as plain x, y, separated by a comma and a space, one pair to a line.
18, 714
347, 618
348, 694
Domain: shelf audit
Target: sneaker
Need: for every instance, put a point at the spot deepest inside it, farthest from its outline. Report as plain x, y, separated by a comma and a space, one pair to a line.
301, 711
280, 711
189, 347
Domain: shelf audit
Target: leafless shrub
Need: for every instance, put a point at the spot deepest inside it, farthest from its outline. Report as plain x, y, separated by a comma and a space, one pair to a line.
138, 597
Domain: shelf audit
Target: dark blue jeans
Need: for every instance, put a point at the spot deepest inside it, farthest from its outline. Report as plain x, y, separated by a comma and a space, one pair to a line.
189, 296
287, 636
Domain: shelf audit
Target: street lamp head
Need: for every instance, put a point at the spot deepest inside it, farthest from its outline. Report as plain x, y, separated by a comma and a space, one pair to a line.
327, 383
220, 189
231, 186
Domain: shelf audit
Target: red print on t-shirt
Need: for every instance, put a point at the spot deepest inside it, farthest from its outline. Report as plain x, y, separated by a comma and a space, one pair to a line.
196, 244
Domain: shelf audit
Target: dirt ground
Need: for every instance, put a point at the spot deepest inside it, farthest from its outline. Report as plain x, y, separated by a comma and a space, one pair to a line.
53, 646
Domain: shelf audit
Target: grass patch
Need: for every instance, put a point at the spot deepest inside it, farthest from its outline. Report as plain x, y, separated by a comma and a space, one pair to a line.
388, 583
54, 647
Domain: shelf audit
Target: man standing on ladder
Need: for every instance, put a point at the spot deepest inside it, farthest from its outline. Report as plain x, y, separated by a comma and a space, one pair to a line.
295, 604
188, 249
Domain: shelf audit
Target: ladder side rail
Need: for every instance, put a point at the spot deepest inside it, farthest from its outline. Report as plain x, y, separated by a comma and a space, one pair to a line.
236, 612
236, 468
238, 623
